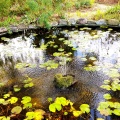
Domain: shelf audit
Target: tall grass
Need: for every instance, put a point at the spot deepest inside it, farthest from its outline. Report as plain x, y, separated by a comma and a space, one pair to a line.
84, 3
34, 10
112, 13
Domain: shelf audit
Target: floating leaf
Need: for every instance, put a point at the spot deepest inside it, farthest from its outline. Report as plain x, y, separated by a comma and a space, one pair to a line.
25, 100
107, 87
77, 113
60, 49
117, 105
107, 96
61, 100
85, 108
39, 114
30, 115
110, 29
116, 112
50, 99
27, 105
61, 39
6, 95
29, 85
16, 88
5, 39
43, 47
106, 112
54, 36
52, 108
13, 100
92, 58
50, 64
2, 100
4, 118
55, 46
65, 113
74, 48
16, 110
1, 84
83, 59
106, 81
56, 54
27, 80
100, 119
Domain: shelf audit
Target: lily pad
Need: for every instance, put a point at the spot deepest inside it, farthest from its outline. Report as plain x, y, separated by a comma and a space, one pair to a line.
16, 110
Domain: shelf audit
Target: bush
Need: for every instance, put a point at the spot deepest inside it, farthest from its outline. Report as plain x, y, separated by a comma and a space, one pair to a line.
112, 13
84, 3
113, 10
5, 7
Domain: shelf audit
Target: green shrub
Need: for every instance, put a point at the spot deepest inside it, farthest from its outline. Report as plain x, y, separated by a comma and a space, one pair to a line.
84, 3
113, 10
112, 13
5, 7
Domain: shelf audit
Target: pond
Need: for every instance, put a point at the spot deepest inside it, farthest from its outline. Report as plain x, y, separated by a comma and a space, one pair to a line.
91, 55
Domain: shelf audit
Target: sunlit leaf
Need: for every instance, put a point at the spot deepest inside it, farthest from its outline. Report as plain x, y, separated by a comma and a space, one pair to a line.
52, 108
107, 96
2, 100
106, 81
39, 114
13, 100
30, 115
16, 110
65, 113
25, 99
60, 49
77, 113
27, 105
61, 100
6, 95
85, 108
116, 112
50, 99
107, 87
61, 39
16, 88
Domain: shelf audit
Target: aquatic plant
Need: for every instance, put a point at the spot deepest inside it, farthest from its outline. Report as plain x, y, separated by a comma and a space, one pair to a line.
13, 107
109, 107
50, 64
62, 107
20, 66
63, 81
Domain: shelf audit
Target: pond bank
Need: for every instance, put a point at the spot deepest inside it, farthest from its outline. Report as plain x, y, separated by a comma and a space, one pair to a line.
83, 22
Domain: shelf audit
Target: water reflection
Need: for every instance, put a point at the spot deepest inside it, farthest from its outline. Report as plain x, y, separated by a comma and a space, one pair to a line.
103, 45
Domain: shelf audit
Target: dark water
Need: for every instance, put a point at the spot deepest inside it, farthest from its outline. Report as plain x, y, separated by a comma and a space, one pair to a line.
103, 45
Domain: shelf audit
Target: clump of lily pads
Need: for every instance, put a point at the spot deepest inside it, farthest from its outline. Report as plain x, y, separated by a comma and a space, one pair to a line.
63, 109
50, 64
64, 81
13, 107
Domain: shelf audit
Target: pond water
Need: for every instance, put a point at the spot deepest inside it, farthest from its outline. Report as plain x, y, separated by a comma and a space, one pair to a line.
91, 55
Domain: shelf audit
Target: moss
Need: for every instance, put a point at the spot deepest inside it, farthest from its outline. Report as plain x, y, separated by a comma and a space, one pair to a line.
63, 81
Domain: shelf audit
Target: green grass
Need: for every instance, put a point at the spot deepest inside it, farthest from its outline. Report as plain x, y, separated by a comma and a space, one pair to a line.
112, 13
32, 10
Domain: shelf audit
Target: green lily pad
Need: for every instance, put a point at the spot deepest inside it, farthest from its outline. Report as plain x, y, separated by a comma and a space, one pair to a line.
16, 110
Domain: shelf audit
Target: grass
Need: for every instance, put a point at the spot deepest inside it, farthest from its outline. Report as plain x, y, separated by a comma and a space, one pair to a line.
112, 13
44, 11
